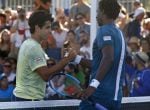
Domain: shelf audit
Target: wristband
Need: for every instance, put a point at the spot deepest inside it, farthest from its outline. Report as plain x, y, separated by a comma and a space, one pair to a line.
78, 59
94, 83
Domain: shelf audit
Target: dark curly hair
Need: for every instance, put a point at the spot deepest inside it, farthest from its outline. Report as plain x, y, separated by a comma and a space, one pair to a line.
110, 8
38, 18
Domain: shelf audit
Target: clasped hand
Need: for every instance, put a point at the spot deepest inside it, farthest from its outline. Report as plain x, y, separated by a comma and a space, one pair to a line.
85, 94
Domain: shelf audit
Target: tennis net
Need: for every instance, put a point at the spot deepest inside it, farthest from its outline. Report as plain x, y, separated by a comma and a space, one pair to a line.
132, 103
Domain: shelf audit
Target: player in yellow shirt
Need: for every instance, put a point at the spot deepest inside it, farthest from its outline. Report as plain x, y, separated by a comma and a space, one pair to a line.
32, 70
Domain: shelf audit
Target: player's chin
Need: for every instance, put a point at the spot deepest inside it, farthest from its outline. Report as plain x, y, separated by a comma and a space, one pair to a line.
45, 37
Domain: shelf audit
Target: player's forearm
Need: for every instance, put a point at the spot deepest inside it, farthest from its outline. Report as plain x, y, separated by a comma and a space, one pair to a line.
106, 62
58, 67
104, 67
46, 72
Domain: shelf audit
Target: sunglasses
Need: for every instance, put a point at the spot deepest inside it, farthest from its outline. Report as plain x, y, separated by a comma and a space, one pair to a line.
50, 64
7, 66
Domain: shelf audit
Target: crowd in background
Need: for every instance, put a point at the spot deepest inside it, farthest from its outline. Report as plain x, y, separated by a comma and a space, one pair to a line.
74, 27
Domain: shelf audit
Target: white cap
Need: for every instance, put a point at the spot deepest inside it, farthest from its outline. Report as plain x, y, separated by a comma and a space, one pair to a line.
121, 15
139, 11
142, 56
138, 1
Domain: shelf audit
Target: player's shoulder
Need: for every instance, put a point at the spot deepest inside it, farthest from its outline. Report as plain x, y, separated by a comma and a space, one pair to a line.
31, 44
104, 30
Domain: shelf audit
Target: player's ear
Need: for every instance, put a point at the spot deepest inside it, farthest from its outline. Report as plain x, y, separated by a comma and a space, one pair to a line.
37, 28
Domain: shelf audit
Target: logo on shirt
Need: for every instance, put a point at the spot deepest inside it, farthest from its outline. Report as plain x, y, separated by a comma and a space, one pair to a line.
106, 38
38, 59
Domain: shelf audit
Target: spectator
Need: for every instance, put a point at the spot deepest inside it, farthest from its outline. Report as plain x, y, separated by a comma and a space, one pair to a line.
82, 25
71, 38
8, 14
129, 75
3, 24
59, 34
134, 45
137, 4
6, 90
13, 63
140, 84
85, 44
2, 60
7, 70
122, 18
42, 5
73, 69
81, 6
145, 46
5, 44
61, 18
146, 27
134, 27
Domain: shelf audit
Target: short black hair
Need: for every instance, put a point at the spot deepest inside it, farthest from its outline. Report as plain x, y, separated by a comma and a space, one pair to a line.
55, 24
110, 8
38, 18
45, 1
71, 31
74, 67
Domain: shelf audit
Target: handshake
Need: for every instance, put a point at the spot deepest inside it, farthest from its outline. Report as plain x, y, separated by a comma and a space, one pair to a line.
70, 51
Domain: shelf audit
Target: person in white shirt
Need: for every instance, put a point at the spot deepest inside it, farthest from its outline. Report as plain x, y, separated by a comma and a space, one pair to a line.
85, 44
20, 30
59, 34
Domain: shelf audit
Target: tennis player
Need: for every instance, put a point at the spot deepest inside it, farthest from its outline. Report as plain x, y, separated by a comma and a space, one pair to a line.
32, 71
108, 61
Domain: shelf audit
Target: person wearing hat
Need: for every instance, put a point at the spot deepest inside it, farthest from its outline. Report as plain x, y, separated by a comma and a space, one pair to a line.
134, 27
140, 84
133, 45
137, 4
6, 90
3, 24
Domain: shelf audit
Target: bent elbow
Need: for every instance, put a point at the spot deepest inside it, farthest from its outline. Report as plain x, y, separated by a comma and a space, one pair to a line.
45, 79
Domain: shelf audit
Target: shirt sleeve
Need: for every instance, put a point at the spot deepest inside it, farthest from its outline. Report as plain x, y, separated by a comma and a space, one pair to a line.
104, 38
37, 58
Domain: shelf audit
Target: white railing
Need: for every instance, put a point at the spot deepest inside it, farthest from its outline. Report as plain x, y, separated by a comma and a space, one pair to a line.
27, 4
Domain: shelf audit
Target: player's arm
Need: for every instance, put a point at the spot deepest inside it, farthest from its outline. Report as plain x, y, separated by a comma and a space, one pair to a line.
105, 65
45, 72
38, 64
106, 62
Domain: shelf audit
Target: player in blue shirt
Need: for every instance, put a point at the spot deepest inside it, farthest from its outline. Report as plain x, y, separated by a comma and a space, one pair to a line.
108, 61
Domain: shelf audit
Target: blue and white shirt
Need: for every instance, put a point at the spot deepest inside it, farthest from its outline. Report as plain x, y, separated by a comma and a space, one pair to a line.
111, 85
